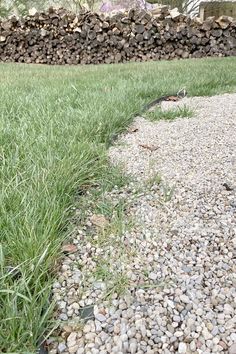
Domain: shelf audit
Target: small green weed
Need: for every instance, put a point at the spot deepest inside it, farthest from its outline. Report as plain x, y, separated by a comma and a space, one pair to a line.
153, 180
167, 193
103, 270
119, 285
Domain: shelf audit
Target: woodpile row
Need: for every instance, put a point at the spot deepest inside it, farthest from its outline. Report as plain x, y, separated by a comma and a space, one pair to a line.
62, 37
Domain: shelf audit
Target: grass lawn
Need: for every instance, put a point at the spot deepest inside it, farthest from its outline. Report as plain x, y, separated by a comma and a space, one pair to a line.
55, 126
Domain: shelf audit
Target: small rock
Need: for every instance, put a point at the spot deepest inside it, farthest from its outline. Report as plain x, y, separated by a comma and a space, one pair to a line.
206, 334
170, 328
179, 334
61, 348
87, 328
33, 11
71, 340
63, 317
90, 337
133, 346
62, 305
233, 337
176, 318
182, 348
223, 345
232, 349
99, 220
215, 331
100, 317
228, 309
69, 248
184, 298
153, 276
192, 346
75, 306
73, 349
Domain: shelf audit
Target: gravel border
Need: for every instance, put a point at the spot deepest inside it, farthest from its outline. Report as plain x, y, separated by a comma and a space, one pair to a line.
159, 274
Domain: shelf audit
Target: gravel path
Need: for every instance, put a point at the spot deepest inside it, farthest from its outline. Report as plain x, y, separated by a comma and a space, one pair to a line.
168, 263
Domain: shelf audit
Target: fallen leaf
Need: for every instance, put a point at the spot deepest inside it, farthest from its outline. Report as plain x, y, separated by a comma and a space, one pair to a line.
69, 248
149, 147
99, 220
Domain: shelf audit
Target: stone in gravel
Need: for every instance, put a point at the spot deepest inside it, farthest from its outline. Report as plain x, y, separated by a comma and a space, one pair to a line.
100, 317
176, 318
87, 328
123, 306
192, 346
62, 305
215, 340
73, 349
124, 337
76, 277
99, 220
223, 344
209, 343
170, 328
182, 348
153, 276
171, 304
103, 336
184, 298
195, 156
80, 351
69, 248
228, 309
206, 334
179, 334
72, 337
76, 306
133, 346
131, 332
233, 337
232, 349
67, 328
210, 326
199, 312
61, 348
90, 337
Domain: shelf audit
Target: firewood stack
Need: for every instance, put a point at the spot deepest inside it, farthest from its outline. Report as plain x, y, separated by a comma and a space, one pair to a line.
61, 37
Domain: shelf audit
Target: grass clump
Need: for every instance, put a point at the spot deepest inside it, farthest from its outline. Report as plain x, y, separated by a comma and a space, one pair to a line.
169, 114
55, 126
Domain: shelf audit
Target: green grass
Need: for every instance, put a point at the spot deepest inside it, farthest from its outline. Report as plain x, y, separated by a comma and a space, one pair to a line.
55, 126
169, 114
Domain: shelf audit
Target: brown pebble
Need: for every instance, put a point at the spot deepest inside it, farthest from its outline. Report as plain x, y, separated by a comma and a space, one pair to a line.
223, 344
199, 344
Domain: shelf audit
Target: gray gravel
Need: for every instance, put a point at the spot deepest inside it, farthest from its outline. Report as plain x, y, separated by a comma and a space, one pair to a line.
174, 258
